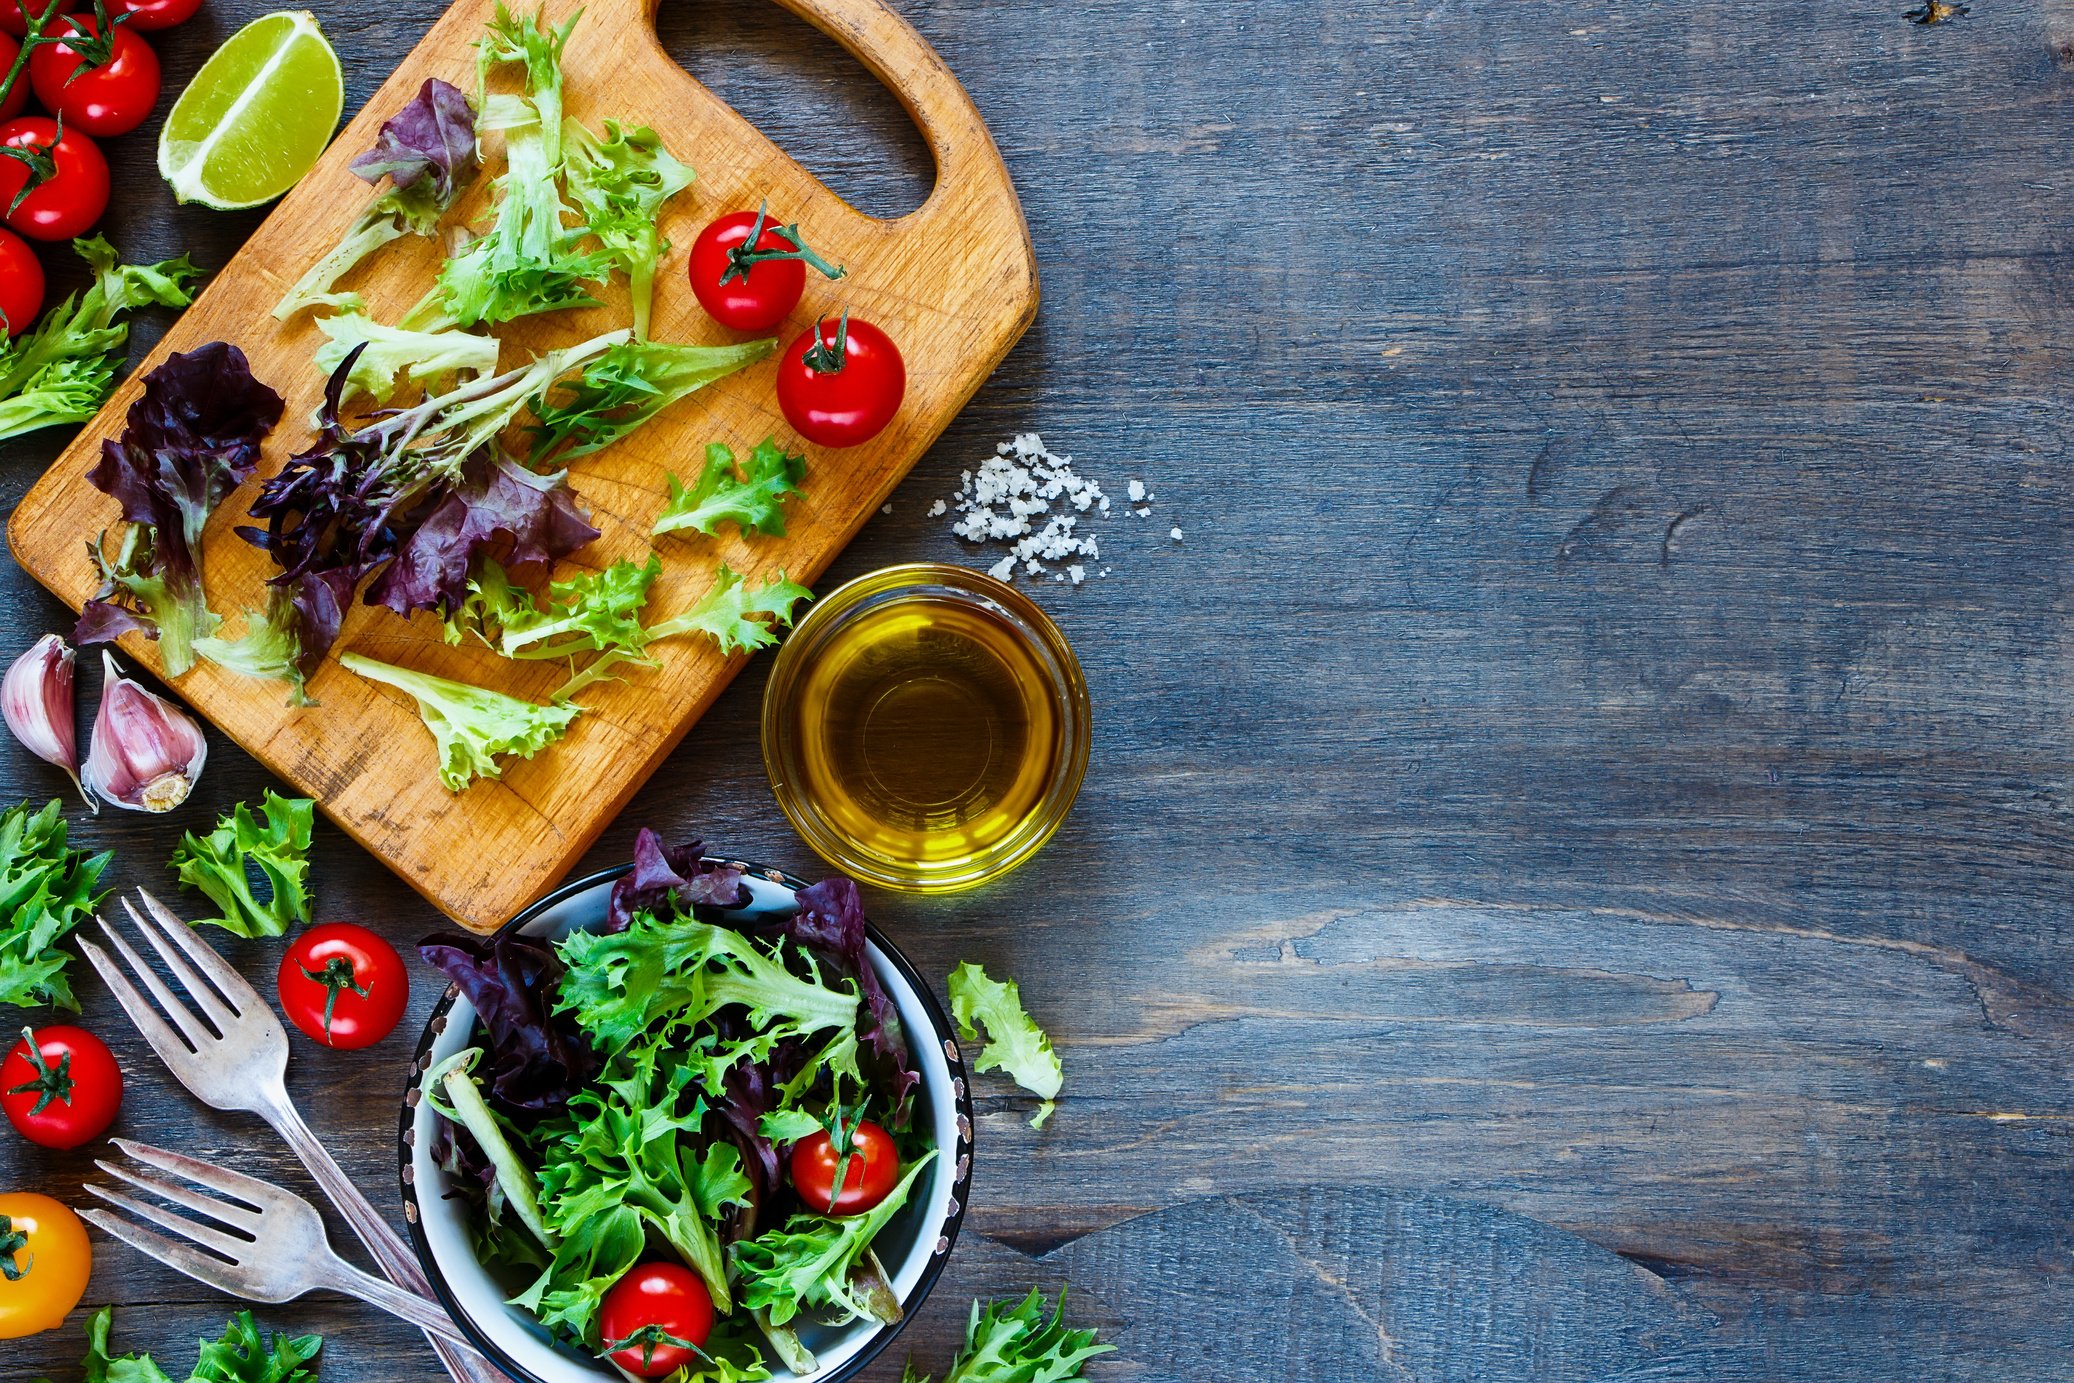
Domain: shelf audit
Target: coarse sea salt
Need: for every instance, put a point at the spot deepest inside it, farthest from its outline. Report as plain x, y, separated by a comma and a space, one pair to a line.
1034, 502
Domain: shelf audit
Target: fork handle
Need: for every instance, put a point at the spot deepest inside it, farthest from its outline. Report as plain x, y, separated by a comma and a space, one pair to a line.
397, 1262
421, 1312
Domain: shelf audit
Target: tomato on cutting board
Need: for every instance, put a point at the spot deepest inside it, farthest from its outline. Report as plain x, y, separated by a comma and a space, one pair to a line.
105, 84
60, 1086
874, 1168
751, 288
655, 1319
54, 183
841, 382
21, 283
151, 15
45, 1261
343, 985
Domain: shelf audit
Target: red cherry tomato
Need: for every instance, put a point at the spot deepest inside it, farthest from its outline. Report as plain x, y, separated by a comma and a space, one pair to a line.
21, 283
18, 94
103, 87
71, 190
153, 14
739, 286
874, 1167
841, 382
652, 1302
14, 14
63, 1090
343, 985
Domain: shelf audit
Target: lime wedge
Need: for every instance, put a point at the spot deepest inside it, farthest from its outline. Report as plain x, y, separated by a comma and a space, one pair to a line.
257, 115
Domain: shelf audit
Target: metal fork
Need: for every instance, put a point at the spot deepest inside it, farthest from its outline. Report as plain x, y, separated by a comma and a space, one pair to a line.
278, 1252
233, 1055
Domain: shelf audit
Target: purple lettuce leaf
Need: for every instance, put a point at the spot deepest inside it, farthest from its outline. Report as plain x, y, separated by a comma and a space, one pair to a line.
830, 924
535, 1062
433, 137
662, 872
500, 510
191, 438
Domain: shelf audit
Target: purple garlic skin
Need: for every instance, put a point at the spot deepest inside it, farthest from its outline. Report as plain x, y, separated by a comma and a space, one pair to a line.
36, 701
146, 753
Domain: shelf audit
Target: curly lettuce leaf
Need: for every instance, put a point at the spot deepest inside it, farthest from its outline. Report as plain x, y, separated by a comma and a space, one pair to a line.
191, 438
472, 727
808, 1264
381, 354
100, 1366
733, 614
625, 387
681, 971
61, 371
829, 923
46, 889
240, 1356
528, 260
752, 502
1019, 1343
587, 613
276, 843
1015, 1043
428, 152
620, 184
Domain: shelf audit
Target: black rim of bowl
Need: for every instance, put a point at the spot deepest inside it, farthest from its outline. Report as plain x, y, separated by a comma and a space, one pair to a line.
961, 1100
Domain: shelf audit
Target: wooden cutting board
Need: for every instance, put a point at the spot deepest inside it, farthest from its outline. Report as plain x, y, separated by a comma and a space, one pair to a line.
954, 282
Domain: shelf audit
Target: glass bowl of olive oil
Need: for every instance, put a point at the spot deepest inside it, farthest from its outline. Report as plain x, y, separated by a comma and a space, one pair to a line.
925, 728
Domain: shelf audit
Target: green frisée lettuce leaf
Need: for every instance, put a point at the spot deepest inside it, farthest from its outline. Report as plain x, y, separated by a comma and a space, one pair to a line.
620, 183
428, 152
809, 1264
751, 501
393, 352
276, 842
681, 971
46, 889
600, 612
61, 371
1019, 1343
587, 613
528, 260
625, 387
1015, 1043
630, 1147
239, 1355
472, 726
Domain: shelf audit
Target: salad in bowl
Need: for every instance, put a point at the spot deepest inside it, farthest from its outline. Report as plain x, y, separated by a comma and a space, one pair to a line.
691, 1120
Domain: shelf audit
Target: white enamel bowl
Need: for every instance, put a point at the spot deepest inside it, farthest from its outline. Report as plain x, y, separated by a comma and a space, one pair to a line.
913, 1246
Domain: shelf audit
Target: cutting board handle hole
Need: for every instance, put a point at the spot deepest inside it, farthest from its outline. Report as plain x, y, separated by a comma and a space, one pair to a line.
809, 96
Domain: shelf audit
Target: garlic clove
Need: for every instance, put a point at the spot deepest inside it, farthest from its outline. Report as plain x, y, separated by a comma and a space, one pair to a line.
37, 704
146, 753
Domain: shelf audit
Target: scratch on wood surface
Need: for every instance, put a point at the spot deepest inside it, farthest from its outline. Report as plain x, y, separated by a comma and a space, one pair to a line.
1385, 1342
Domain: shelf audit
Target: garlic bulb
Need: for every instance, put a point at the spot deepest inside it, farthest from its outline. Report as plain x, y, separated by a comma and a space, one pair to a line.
36, 701
146, 752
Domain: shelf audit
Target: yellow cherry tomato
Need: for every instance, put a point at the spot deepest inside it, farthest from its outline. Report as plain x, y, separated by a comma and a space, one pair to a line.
44, 1262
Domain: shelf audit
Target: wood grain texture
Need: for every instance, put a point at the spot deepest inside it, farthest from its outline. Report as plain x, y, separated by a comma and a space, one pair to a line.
1593, 779
953, 282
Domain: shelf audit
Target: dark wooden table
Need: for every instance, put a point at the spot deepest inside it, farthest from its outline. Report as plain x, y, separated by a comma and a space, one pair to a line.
1573, 878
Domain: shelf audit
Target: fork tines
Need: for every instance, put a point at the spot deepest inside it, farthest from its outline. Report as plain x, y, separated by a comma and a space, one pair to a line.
223, 1257
217, 998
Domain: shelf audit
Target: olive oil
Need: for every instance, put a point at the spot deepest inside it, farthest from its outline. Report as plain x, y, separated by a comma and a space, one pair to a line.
925, 727
927, 731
